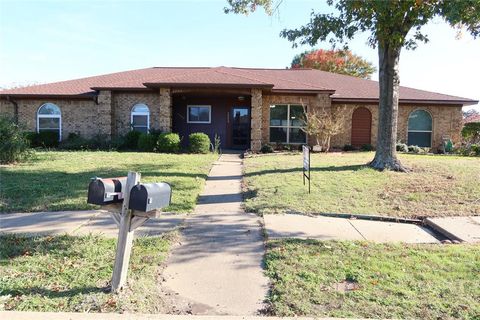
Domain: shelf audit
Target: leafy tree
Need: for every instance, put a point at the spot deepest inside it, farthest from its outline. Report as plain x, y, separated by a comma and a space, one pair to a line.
337, 61
392, 25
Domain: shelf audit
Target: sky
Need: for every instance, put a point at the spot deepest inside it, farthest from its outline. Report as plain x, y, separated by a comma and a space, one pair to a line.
47, 41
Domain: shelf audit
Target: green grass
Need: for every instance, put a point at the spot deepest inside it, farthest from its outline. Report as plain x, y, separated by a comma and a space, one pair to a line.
391, 280
342, 183
65, 273
56, 181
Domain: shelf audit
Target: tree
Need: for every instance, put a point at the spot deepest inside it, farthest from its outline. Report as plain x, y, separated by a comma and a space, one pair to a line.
392, 25
337, 61
324, 124
470, 113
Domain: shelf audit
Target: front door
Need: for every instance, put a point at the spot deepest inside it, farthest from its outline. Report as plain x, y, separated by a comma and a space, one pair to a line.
240, 127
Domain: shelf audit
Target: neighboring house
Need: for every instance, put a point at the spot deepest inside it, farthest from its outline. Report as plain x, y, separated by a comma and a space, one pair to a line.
474, 118
245, 107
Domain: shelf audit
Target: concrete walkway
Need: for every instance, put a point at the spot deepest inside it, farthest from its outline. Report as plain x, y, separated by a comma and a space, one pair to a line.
217, 269
463, 229
81, 223
326, 228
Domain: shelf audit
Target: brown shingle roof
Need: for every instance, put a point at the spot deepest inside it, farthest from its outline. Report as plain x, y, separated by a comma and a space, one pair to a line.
344, 88
472, 118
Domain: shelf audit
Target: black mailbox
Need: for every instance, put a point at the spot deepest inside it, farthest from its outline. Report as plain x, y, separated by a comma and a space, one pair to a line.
150, 196
106, 191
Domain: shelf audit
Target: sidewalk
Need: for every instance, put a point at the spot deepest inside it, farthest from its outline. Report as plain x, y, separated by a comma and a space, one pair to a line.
81, 223
326, 228
217, 269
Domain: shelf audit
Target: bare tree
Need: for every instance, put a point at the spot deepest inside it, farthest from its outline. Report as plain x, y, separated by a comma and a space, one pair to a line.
324, 123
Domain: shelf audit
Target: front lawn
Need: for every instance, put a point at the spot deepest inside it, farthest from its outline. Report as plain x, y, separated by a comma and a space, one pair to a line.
72, 274
366, 280
56, 181
342, 183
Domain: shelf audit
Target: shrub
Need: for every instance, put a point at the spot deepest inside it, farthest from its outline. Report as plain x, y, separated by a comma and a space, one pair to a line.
266, 148
43, 139
168, 142
117, 143
469, 150
147, 142
349, 147
367, 147
471, 132
402, 147
14, 145
415, 149
130, 140
216, 144
100, 142
75, 142
199, 143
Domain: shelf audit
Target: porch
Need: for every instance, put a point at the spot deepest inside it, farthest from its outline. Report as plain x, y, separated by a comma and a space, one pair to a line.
228, 114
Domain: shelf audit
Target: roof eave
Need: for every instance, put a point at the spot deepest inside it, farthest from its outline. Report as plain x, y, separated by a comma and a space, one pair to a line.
206, 85
419, 101
87, 95
142, 89
303, 91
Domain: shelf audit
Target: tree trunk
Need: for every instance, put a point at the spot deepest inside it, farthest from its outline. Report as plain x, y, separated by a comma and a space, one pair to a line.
386, 154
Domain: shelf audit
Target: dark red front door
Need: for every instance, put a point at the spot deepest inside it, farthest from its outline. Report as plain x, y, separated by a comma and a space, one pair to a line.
361, 127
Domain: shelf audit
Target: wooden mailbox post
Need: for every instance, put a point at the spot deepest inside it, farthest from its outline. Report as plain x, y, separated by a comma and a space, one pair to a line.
101, 192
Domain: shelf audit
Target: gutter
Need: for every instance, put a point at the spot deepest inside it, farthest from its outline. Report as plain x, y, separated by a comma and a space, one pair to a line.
15, 108
407, 101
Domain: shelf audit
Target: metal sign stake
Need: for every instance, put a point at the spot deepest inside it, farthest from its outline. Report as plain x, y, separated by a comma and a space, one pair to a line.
306, 165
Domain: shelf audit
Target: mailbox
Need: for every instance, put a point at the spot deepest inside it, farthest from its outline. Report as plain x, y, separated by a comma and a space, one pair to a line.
106, 191
150, 196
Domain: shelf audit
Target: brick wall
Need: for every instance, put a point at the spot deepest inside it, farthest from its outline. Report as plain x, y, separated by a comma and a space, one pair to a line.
112, 115
311, 101
446, 120
122, 104
78, 116
257, 120
345, 137
7, 108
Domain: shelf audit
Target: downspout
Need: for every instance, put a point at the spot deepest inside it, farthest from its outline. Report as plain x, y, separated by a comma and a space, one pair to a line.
15, 109
95, 97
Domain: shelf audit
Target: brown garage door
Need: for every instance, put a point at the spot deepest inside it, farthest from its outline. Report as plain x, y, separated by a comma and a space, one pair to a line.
361, 127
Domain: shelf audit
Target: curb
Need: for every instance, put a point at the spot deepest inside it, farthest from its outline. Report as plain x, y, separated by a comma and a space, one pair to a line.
369, 217
444, 232
28, 315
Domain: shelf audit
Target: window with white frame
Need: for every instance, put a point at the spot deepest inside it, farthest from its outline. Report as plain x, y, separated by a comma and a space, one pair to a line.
199, 114
420, 129
286, 123
140, 118
49, 118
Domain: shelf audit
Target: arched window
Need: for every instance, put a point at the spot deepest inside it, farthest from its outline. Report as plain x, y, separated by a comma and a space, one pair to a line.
49, 118
420, 129
140, 119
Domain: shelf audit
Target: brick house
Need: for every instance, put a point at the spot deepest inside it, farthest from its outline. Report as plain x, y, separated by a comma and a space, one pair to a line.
246, 108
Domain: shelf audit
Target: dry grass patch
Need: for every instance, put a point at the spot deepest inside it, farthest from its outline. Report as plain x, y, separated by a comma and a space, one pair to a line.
342, 183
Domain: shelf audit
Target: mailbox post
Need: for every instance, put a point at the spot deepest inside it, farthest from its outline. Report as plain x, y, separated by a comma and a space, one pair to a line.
139, 202
125, 236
